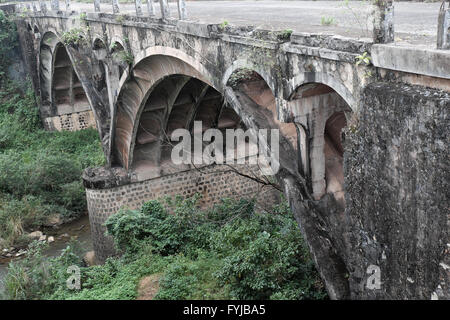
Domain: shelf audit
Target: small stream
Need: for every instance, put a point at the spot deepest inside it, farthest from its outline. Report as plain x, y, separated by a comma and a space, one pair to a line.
78, 229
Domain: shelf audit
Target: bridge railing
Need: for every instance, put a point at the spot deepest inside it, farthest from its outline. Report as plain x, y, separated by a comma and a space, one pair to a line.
55, 5
383, 28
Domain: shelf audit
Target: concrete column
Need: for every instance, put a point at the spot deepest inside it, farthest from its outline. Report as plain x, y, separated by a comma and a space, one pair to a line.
97, 5
383, 21
443, 34
115, 6
182, 11
67, 5
151, 8
55, 5
165, 10
138, 4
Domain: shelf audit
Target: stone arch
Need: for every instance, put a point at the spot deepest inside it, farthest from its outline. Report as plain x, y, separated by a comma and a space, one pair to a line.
246, 64
68, 95
116, 50
324, 78
64, 102
320, 113
176, 102
253, 84
151, 66
98, 43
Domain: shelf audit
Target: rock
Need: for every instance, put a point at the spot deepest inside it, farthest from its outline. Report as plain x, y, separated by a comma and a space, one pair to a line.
35, 235
90, 259
64, 235
5, 250
53, 221
21, 253
51, 239
43, 237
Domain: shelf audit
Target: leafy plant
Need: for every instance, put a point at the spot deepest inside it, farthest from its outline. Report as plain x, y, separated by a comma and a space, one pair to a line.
223, 24
285, 34
364, 58
74, 37
124, 57
327, 21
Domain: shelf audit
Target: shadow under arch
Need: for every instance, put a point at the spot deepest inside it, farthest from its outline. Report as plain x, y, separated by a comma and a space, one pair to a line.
321, 113
324, 78
151, 67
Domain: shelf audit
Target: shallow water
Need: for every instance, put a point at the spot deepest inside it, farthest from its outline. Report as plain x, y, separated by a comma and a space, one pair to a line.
78, 229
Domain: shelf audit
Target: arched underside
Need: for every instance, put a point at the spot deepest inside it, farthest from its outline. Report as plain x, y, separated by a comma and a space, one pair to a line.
177, 102
135, 92
68, 95
321, 114
64, 103
118, 54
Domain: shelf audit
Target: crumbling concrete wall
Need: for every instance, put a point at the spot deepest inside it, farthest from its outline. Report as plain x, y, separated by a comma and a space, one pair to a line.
397, 182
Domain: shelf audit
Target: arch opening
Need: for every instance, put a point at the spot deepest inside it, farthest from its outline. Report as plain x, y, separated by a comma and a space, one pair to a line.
117, 52
321, 115
179, 102
68, 95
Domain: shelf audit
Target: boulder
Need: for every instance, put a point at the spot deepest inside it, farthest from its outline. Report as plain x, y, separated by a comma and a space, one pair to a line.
35, 235
51, 239
53, 221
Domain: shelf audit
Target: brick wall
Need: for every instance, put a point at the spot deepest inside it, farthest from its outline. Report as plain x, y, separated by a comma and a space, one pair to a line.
71, 122
213, 182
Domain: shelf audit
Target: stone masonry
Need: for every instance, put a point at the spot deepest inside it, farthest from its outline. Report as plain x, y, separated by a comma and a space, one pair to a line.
212, 182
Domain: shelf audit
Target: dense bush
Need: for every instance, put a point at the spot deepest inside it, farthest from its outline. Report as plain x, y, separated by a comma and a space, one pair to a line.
227, 252
40, 171
38, 277
8, 42
250, 255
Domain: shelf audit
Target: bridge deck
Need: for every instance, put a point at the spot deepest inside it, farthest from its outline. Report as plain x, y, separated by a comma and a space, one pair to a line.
415, 23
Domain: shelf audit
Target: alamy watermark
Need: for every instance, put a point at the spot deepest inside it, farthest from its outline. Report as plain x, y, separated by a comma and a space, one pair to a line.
74, 281
241, 147
374, 279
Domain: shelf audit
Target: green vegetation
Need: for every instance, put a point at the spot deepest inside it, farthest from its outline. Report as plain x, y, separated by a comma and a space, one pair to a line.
124, 56
285, 34
227, 252
364, 58
8, 42
223, 24
241, 75
74, 37
327, 21
40, 171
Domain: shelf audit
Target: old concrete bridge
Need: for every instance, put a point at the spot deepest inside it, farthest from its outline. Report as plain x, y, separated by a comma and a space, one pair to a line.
371, 206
